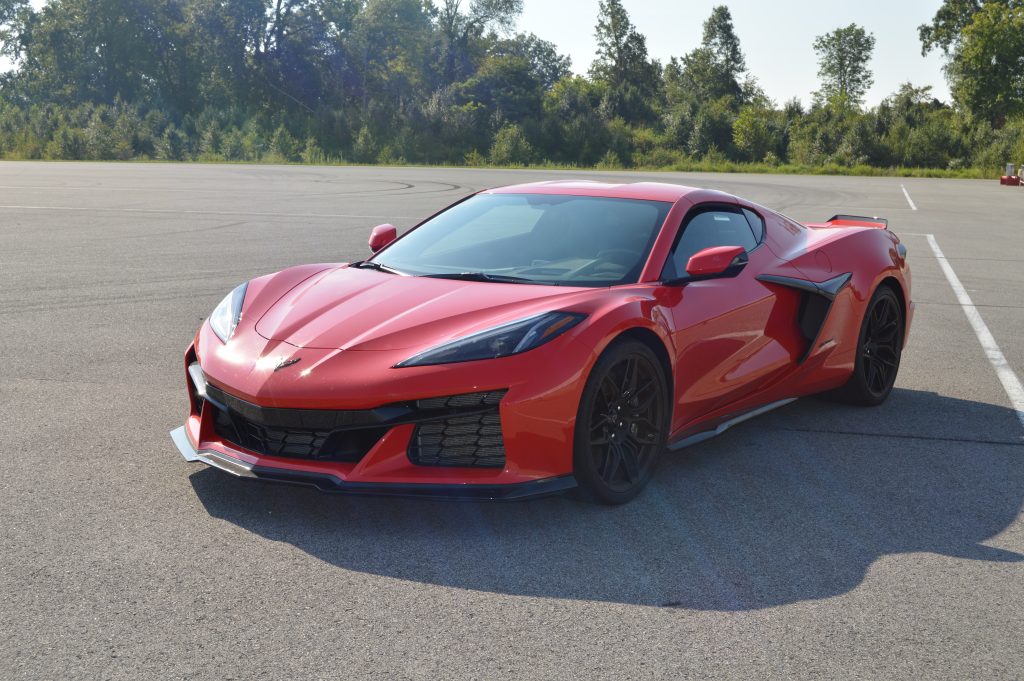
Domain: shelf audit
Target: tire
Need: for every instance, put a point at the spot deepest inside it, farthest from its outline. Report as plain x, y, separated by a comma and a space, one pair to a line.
622, 424
879, 349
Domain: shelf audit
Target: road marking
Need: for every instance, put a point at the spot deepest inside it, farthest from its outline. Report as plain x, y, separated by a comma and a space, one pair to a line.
1011, 383
909, 200
207, 212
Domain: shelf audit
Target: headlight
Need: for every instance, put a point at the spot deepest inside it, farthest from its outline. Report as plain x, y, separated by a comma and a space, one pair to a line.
501, 341
226, 315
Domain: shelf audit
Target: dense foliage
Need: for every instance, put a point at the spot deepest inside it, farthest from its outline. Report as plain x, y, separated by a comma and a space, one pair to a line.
447, 81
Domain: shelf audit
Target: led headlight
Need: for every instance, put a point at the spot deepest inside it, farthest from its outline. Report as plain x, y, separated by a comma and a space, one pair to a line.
226, 315
501, 341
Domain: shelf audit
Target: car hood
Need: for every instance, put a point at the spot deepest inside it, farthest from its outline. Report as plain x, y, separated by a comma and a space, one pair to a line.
354, 309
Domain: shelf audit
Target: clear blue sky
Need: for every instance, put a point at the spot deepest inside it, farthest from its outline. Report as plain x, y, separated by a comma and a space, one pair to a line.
776, 36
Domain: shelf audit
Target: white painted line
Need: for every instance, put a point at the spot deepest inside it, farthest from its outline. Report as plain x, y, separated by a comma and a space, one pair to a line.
909, 200
156, 211
1011, 383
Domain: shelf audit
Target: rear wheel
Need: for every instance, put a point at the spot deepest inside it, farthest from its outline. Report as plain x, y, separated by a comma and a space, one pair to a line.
622, 423
879, 350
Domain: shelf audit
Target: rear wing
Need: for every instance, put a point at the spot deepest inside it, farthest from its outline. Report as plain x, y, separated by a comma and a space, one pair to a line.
854, 221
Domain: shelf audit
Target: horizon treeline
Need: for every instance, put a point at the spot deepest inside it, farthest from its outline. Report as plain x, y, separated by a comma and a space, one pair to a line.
449, 82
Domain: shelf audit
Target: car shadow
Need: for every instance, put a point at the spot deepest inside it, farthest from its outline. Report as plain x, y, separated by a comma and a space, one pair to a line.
791, 507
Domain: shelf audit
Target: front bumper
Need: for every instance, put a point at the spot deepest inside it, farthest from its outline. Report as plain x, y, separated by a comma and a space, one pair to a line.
327, 482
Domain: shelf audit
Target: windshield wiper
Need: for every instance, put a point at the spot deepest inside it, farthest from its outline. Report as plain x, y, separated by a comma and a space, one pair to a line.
370, 265
483, 276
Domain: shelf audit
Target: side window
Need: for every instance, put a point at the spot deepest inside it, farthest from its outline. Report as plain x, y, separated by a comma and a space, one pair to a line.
756, 224
706, 228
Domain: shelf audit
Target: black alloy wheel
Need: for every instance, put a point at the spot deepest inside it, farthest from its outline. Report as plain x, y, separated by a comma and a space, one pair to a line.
622, 423
878, 351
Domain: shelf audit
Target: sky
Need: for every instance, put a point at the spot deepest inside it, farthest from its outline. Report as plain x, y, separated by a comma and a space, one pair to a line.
776, 37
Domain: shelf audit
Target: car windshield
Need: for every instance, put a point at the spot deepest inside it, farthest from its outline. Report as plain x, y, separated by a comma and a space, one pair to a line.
533, 239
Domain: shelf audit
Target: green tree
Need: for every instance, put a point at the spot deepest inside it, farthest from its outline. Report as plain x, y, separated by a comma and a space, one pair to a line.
946, 27
843, 57
546, 65
986, 68
284, 144
15, 19
758, 131
622, 64
712, 70
511, 147
573, 129
507, 86
463, 27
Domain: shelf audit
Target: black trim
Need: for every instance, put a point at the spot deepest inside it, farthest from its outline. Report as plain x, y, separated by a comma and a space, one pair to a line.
389, 415
860, 218
692, 213
815, 305
469, 492
829, 289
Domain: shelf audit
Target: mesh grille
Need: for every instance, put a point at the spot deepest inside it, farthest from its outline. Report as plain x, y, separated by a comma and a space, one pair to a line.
474, 440
458, 430
296, 443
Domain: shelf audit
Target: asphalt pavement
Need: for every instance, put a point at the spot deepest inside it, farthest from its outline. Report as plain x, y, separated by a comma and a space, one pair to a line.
819, 541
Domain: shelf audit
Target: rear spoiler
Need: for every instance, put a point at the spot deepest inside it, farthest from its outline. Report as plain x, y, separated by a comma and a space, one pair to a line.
854, 221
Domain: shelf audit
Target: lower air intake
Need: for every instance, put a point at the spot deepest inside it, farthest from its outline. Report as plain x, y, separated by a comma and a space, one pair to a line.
473, 440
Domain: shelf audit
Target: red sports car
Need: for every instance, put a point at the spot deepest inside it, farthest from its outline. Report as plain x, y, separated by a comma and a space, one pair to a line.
535, 338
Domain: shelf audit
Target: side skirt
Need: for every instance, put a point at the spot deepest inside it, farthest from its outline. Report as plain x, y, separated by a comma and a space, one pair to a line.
708, 434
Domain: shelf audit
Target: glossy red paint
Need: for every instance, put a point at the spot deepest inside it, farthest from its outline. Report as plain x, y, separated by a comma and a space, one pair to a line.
713, 260
732, 344
381, 236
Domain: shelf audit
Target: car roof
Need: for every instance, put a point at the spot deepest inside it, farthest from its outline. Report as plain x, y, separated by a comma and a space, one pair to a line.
649, 191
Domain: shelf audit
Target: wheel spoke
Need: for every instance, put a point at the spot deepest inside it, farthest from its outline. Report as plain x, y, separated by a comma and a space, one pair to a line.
887, 333
631, 462
627, 417
629, 376
872, 371
609, 391
612, 463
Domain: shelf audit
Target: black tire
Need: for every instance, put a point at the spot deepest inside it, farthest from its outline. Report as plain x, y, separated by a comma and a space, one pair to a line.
622, 423
879, 349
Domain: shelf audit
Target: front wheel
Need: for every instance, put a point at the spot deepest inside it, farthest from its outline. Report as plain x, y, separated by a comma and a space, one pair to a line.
622, 424
879, 350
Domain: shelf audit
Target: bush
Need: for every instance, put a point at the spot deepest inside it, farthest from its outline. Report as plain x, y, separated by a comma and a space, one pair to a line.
312, 153
511, 147
173, 145
610, 161
365, 149
474, 159
284, 145
68, 144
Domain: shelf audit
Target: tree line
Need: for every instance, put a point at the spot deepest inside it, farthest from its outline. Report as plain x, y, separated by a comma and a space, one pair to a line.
448, 81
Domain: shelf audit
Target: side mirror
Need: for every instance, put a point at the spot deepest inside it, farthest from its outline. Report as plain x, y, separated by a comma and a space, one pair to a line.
718, 262
381, 236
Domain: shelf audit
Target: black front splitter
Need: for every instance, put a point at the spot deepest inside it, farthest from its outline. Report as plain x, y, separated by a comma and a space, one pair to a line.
325, 482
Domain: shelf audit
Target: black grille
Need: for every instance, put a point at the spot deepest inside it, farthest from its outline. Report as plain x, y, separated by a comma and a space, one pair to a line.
296, 443
474, 440
458, 430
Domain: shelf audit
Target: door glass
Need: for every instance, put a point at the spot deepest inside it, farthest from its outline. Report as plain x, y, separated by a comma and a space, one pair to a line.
706, 229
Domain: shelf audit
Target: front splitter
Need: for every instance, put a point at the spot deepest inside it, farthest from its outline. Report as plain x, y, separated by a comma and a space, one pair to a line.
327, 482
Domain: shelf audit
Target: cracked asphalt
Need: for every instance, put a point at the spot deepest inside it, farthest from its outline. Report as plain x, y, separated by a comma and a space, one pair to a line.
819, 541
